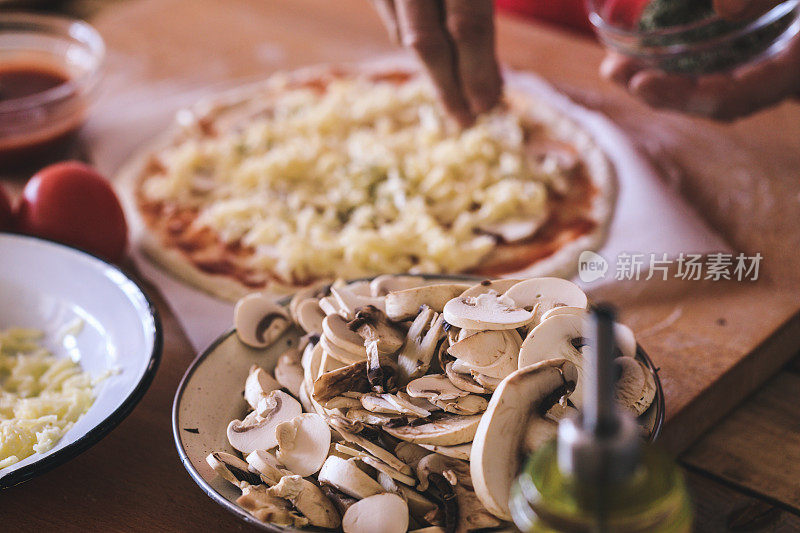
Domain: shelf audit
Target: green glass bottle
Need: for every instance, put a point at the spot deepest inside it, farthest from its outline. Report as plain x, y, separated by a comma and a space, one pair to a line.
598, 476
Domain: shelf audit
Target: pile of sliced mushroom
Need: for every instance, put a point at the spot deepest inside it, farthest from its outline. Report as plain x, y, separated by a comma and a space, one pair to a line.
401, 408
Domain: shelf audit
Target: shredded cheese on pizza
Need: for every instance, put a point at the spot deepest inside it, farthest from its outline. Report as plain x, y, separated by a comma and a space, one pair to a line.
364, 178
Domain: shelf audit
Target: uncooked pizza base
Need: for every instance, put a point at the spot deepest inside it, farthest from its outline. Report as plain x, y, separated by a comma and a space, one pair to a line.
556, 257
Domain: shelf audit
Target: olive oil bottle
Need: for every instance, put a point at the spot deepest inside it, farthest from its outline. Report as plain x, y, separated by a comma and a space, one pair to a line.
598, 476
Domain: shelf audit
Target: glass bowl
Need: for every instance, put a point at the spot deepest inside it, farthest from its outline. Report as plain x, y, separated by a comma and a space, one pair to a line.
708, 44
38, 126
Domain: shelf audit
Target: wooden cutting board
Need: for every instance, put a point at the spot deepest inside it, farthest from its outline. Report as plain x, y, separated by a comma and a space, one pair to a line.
714, 342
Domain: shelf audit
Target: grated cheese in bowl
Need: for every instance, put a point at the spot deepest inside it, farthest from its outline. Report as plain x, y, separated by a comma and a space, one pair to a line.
41, 395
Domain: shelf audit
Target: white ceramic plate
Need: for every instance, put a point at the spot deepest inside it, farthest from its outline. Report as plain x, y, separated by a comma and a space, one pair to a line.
210, 396
47, 286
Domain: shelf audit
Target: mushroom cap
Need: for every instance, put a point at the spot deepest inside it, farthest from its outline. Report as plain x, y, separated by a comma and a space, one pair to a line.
485, 311
381, 513
231, 468
259, 321
405, 304
303, 443
258, 432
494, 462
547, 293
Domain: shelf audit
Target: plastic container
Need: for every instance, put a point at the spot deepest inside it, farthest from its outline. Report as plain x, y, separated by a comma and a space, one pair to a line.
49, 66
705, 45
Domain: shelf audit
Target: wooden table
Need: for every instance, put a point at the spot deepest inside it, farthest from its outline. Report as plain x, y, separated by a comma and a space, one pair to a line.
743, 178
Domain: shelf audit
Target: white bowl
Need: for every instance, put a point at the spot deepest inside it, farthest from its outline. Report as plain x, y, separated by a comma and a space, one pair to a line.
47, 286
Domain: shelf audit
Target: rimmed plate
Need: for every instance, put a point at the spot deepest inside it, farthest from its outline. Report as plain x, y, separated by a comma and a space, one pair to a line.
210, 396
48, 286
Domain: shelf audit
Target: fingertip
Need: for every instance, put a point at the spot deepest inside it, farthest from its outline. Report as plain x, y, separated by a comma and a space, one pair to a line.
618, 68
660, 89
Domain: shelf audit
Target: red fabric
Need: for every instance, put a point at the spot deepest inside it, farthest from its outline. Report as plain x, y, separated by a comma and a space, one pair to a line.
568, 13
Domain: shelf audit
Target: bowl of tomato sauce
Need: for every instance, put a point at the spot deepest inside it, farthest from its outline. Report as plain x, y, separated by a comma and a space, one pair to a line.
49, 68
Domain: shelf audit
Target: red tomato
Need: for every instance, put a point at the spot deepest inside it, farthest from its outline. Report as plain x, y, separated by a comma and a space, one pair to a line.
6, 211
72, 203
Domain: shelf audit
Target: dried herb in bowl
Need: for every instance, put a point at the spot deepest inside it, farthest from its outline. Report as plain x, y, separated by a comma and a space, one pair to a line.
702, 24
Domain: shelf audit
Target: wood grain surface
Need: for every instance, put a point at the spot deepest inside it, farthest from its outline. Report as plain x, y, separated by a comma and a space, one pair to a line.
714, 342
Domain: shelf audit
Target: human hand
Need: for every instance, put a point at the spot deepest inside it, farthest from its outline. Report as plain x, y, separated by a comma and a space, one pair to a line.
722, 96
454, 39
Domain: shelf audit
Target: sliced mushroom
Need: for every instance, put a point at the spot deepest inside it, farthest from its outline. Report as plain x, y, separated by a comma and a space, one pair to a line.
636, 387
499, 286
487, 382
258, 384
410, 453
446, 466
486, 311
341, 500
472, 514
495, 459
444, 429
395, 474
311, 361
308, 499
344, 475
344, 429
421, 341
259, 321
434, 387
289, 372
626, 340
309, 315
556, 337
467, 405
459, 451
383, 285
382, 371
391, 403
269, 509
493, 353
303, 443
311, 292
405, 304
351, 378
267, 466
342, 402
232, 469
381, 513
330, 306
543, 294
464, 381
350, 301
372, 325
328, 363
429, 529
371, 418
341, 354
258, 432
